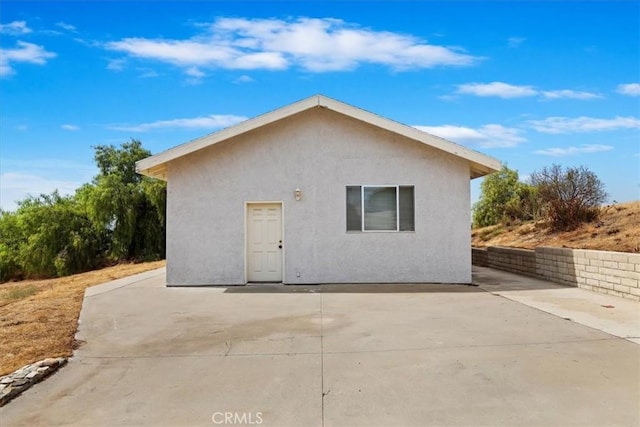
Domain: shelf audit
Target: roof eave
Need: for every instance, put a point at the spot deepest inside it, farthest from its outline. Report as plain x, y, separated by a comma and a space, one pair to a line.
480, 164
151, 166
155, 166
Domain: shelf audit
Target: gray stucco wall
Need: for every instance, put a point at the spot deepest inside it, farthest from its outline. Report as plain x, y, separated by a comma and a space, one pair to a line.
320, 152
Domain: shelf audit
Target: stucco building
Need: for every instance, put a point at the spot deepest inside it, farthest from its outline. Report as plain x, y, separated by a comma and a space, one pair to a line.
318, 192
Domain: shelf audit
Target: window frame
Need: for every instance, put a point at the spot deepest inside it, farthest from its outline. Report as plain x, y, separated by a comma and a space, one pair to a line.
362, 210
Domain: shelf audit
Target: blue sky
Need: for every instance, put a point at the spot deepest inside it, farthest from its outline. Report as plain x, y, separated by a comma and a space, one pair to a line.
531, 84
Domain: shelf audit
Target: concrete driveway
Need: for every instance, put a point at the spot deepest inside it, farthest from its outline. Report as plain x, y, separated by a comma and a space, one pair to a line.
374, 355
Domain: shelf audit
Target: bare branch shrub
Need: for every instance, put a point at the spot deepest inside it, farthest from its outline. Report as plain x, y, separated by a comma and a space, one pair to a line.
569, 197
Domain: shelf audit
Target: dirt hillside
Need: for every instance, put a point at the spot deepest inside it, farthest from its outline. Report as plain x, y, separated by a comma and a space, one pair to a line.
617, 229
39, 318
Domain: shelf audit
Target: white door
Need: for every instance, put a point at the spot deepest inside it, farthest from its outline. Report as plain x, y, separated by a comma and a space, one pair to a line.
264, 242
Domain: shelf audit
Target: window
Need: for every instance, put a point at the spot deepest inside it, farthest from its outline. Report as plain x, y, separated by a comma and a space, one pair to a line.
380, 208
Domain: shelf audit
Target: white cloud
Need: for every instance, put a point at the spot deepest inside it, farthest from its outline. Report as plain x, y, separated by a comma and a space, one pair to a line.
448, 98
569, 94
66, 26
487, 136
25, 52
507, 91
116, 64
35, 176
568, 151
194, 72
147, 73
244, 79
314, 45
70, 127
214, 121
629, 89
559, 125
15, 28
515, 41
499, 89
194, 75
15, 186
44, 166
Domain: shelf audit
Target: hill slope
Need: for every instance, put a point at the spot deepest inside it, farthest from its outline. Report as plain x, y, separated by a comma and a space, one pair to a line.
617, 229
39, 318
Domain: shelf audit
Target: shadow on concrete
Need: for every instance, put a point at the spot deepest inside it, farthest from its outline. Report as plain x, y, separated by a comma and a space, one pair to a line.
364, 288
484, 279
491, 280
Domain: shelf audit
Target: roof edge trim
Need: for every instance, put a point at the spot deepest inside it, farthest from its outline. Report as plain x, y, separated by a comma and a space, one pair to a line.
155, 166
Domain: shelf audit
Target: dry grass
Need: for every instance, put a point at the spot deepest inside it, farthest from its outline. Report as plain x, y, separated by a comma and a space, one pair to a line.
39, 318
617, 229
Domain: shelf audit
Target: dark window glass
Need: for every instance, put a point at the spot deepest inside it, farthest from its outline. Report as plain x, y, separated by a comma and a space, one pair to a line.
407, 222
380, 209
354, 208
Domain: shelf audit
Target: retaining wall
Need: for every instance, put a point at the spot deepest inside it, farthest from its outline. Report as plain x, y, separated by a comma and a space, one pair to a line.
521, 261
613, 273
479, 257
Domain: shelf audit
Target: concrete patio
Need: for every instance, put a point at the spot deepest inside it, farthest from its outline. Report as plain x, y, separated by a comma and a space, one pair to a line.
510, 351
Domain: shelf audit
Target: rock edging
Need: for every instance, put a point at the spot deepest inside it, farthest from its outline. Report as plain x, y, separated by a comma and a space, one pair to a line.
13, 384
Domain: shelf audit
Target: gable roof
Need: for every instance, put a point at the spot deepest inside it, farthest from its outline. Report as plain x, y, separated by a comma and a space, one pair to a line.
156, 166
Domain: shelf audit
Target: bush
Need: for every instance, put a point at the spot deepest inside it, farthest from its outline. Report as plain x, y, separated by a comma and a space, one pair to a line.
569, 197
504, 198
48, 236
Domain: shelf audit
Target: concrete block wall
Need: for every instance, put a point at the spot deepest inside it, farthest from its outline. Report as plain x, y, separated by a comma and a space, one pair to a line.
479, 257
613, 273
521, 261
556, 265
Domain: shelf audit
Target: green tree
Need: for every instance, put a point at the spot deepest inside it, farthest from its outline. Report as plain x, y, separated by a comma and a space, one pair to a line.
129, 206
569, 196
119, 216
48, 236
503, 197
11, 238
